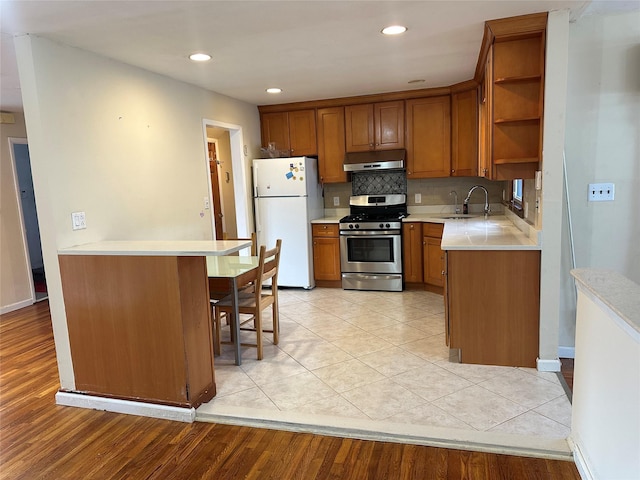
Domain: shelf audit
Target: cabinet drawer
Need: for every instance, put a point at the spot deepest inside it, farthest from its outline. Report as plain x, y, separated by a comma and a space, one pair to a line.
432, 229
325, 229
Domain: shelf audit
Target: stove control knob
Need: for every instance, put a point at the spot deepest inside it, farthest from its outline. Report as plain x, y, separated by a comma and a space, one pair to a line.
381, 225
350, 226
388, 225
357, 225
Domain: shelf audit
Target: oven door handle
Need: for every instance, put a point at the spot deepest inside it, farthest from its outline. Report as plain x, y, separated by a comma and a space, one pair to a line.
369, 233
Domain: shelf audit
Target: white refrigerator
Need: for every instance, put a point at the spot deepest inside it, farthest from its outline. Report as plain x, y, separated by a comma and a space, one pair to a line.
287, 197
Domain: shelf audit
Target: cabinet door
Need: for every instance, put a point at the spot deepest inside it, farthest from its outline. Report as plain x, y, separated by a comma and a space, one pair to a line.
359, 131
331, 145
389, 125
412, 252
275, 128
433, 262
464, 134
428, 137
326, 258
302, 133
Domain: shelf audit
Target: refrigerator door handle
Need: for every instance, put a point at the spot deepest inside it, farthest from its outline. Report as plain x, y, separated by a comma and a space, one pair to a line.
255, 180
257, 207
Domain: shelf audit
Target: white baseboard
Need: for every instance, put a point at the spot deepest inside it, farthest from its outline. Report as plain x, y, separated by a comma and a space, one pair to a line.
548, 365
16, 306
567, 352
580, 461
129, 407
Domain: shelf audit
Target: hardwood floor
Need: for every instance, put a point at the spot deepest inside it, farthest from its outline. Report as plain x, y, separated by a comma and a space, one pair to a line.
39, 439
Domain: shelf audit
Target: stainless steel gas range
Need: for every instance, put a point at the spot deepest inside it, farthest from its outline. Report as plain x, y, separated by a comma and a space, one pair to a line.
371, 243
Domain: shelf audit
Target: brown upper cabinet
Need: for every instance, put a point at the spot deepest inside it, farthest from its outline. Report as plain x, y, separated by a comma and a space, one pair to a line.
489, 126
428, 137
514, 82
293, 131
331, 145
464, 134
374, 126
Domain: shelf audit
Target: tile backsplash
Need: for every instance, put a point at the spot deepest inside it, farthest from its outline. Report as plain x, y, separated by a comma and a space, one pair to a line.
379, 183
434, 191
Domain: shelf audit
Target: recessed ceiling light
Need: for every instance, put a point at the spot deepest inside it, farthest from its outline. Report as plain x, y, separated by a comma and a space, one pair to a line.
200, 57
394, 30
274, 90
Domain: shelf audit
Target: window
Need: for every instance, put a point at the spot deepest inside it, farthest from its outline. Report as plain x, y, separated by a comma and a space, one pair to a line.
517, 191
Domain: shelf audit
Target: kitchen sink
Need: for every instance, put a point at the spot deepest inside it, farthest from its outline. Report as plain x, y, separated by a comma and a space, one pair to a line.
457, 216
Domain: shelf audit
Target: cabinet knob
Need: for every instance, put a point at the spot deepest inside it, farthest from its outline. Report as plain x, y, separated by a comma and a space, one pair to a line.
453, 170
442, 273
324, 226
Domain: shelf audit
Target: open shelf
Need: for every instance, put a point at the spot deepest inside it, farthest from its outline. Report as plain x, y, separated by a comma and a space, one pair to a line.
518, 78
516, 120
502, 161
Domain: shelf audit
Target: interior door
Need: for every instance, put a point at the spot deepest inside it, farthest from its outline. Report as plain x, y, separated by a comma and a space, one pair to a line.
215, 190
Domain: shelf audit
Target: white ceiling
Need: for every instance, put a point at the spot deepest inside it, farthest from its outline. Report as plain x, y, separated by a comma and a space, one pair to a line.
311, 49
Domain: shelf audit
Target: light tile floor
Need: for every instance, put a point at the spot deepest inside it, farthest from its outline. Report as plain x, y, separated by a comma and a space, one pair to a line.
381, 356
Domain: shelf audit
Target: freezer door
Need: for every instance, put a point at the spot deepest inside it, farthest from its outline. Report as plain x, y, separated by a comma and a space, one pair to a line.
279, 177
288, 219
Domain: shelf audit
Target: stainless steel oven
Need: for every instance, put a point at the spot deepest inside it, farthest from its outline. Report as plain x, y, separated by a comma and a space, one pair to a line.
371, 244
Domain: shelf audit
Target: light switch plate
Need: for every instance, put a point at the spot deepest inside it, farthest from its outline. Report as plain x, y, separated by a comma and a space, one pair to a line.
418, 198
336, 201
78, 221
601, 192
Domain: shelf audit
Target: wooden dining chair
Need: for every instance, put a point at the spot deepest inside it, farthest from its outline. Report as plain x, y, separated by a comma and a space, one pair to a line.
252, 303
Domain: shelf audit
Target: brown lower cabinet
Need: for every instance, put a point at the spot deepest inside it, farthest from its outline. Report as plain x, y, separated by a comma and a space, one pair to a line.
140, 327
493, 305
326, 254
433, 256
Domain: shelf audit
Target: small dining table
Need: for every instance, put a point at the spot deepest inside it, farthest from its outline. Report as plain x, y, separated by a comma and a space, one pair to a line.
237, 271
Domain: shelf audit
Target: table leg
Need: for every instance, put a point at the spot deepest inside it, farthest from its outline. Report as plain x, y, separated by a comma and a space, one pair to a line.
235, 321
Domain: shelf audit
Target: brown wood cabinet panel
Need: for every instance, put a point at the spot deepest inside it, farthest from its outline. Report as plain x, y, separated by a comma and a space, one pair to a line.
389, 125
464, 134
302, 133
430, 229
494, 305
325, 230
378, 126
139, 327
275, 128
331, 145
326, 252
293, 131
433, 262
428, 137
412, 252
359, 128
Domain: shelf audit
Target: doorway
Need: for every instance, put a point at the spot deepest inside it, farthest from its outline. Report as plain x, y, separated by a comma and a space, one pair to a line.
232, 178
23, 180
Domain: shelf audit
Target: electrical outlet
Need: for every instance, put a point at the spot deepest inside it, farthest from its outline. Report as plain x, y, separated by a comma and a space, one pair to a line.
78, 221
601, 192
206, 203
336, 201
418, 198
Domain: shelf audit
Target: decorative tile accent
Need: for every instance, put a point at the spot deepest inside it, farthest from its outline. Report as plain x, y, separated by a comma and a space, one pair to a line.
379, 183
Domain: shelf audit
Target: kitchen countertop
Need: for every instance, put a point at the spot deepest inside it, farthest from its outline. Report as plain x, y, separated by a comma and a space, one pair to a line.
618, 293
178, 248
475, 232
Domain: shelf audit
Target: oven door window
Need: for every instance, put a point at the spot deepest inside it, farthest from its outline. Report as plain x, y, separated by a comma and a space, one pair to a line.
370, 250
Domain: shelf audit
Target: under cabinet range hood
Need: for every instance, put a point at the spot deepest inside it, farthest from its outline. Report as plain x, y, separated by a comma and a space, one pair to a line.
374, 160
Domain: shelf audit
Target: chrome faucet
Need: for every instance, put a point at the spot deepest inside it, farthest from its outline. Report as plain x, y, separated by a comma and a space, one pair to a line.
455, 204
465, 203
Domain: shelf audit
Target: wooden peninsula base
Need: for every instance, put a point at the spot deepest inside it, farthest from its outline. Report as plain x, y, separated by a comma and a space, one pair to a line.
493, 300
140, 327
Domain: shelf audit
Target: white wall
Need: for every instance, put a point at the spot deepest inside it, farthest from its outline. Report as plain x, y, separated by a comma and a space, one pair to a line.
122, 144
15, 272
603, 145
605, 417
